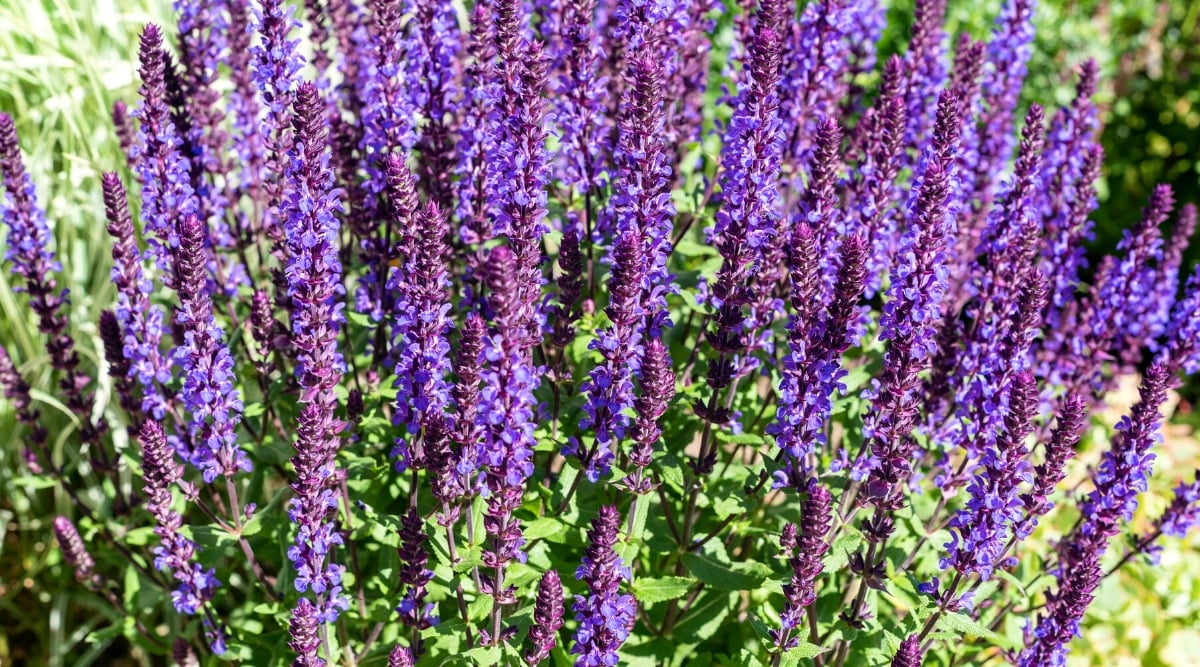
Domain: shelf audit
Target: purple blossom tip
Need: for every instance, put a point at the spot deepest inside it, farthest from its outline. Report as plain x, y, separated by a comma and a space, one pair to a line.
75, 554
547, 618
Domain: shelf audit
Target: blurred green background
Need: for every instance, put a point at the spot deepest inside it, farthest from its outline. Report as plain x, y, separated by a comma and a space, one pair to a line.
63, 63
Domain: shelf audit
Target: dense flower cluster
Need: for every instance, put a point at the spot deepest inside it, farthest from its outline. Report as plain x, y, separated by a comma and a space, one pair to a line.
464, 299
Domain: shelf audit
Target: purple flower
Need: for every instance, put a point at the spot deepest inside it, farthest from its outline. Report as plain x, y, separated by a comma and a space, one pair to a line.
547, 618
570, 286
1120, 478
208, 391
468, 369
176, 554
609, 387
162, 167
432, 59
118, 365
1059, 449
909, 653
911, 310
816, 56
800, 593
123, 124
140, 320
1009, 49
641, 200
1181, 350
414, 574
400, 657
247, 132
579, 100
388, 104
16, 390
475, 137
979, 532
925, 66
305, 640
276, 66
1183, 513
313, 276
74, 552
1167, 275
423, 322
657, 382
30, 257
605, 615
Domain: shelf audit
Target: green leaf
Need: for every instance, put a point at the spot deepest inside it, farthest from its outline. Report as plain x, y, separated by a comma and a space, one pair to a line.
802, 652
740, 438
543, 527
661, 589
720, 576
730, 505
965, 625
847, 542
254, 409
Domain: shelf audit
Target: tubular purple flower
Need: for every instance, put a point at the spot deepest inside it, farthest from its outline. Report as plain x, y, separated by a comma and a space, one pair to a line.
474, 138
276, 73
812, 370
162, 168
247, 137
1059, 449
1181, 350
925, 66
126, 132
140, 320
816, 57
979, 532
816, 518
1183, 513
422, 347
506, 416
641, 200
579, 101
313, 276
176, 554
1112, 312
1167, 274
414, 575
431, 60
208, 392
605, 615
74, 552
304, 629
468, 369
547, 618
657, 382
202, 42
1122, 475
909, 653
118, 366
609, 387
1009, 49
875, 190
400, 656
570, 286
30, 257
912, 308
689, 83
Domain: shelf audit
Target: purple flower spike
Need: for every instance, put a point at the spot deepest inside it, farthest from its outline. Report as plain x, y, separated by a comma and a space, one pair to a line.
1122, 475
422, 348
415, 577
1183, 513
388, 112
124, 126
305, 640
912, 309
314, 274
1181, 352
641, 201
140, 320
176, 554
816, 519
162, 168
580, 97
925, 65
276, 66
979, 531
30, 257
401, 657
547, 618
609, 388
657, 382
468, 369
1009, 49
432, 60
570, 286
1167, 278
816, 57
208, 393
605, 615
1059, 449
118, 365
474, 139
74, 553
909, 653
16, 390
